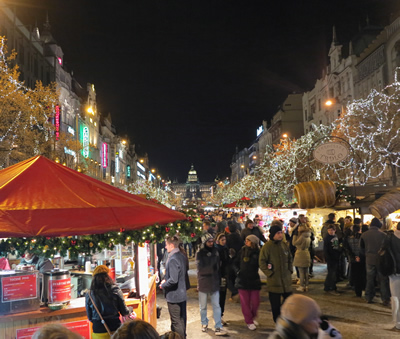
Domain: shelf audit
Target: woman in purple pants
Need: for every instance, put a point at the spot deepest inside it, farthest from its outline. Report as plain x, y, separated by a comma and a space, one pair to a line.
248, 280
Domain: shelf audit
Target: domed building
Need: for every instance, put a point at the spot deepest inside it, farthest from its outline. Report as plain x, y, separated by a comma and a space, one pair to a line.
193, 191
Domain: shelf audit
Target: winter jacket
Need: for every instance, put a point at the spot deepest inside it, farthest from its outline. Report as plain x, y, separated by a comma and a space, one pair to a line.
331, 248
255, 230
175, 278
286, 329
110, 302
208, 269
370, 242
352, 247
246, 268
235, 241
42, 264
302, 256
224, 260
279, 277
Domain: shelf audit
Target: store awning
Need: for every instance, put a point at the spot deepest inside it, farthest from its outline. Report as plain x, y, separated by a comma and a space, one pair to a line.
39, 197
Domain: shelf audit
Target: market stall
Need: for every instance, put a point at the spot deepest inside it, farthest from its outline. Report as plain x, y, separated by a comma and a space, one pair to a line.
41, 201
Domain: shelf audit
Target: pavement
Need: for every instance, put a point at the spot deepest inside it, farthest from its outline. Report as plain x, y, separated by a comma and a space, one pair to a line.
352, 316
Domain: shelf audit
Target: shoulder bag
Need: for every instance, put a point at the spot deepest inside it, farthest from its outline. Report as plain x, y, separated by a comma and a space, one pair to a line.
98, 312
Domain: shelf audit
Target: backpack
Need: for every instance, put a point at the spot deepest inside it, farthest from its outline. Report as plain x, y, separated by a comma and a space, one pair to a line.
386, 259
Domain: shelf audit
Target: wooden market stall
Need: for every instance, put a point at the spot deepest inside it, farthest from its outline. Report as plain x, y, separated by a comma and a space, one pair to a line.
39, 197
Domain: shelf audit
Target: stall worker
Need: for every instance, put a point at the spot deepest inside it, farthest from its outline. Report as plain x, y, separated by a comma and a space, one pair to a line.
42, 264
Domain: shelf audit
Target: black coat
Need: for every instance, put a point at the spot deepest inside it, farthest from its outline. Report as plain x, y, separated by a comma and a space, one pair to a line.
110, 303
246, 267
234, 240
208, 266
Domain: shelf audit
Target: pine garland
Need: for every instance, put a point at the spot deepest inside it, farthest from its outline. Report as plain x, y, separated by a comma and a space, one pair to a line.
191, 228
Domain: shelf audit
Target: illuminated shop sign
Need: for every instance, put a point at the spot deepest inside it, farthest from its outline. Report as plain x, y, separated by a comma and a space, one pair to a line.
128, 171
104, 154
260, 130
57, 118
140, 174
151, 177
139, 165
117, 162
85, 141
71, 130
69, 151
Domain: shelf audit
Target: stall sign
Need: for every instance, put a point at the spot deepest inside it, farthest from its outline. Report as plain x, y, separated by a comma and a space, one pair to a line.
19, 287
60, 290
81, 327
331, 152
143, 269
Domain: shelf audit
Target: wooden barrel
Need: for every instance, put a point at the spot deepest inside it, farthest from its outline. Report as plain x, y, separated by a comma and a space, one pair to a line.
313, 194
386, 204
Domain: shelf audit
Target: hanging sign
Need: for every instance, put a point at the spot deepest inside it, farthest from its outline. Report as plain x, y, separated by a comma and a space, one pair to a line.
331, 152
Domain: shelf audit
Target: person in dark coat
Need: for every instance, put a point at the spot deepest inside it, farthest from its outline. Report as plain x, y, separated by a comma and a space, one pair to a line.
225, 261
234, 243
332, 256
109, 301
208, 282
370, 243
248, 280
357, 261
252, 229
175, 285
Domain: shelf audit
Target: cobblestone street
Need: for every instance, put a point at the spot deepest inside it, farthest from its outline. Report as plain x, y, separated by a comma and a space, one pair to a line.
351, 315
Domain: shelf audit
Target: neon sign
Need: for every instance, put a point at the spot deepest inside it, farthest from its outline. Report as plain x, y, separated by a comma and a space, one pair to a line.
69, 151
71, 130
104, 155
57, 122
128, 171
140, 166
85, 141
140, 174
117, 162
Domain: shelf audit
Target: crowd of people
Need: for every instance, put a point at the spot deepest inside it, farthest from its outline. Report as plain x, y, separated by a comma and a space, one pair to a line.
229, 256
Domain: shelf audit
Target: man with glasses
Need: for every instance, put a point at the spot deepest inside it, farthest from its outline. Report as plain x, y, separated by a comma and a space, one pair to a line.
208, 282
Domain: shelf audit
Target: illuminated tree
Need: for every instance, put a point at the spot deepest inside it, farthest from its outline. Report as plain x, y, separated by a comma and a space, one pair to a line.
25, 114
372, 128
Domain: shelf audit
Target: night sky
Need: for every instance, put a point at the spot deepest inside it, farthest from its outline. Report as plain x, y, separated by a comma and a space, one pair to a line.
188, 81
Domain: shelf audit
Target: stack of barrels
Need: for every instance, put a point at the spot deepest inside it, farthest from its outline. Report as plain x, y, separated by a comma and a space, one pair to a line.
312, 194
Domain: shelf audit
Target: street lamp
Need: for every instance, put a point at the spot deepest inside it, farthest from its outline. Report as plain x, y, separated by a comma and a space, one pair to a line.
284, 135
153, 170
141, 161
328, 103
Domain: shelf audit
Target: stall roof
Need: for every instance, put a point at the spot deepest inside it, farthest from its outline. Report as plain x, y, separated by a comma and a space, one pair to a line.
39, 197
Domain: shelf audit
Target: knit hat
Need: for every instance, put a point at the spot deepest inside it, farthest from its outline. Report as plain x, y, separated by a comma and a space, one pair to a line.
293, 220
299, 309
375, 222
273, 230
207, 236
253, 238
101, 269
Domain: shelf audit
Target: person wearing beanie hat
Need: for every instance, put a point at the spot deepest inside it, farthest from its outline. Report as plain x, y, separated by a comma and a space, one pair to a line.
109, 301
276, 263
208, 282
375, 222
253, 239
206, 237
248, 280
101, 269
273, 230
251, 228
370, 243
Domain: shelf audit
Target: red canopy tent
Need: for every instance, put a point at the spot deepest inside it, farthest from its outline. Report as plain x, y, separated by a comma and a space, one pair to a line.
232, 204
245, 198
39, 197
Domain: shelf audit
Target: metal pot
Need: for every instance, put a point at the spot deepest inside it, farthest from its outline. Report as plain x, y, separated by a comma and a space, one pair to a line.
56, 286
58, 262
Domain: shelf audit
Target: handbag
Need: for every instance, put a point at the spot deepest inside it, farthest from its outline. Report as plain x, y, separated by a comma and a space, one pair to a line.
98, 312
386, 260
